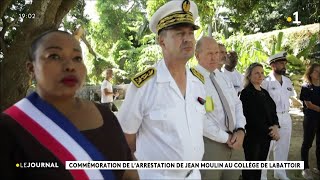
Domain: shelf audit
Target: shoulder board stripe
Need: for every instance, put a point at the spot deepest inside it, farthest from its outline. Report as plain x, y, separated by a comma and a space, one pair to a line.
197, 74
143, 77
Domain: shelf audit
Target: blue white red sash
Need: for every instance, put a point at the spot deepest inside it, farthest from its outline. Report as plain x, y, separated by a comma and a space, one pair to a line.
55, 132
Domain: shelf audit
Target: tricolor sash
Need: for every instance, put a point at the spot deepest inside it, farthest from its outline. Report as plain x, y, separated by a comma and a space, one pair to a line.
56, 133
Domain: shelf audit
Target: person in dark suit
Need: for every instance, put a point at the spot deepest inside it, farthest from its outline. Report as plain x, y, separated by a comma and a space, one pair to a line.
262, 121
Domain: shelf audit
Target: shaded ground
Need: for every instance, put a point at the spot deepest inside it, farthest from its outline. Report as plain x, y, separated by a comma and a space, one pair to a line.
295, 145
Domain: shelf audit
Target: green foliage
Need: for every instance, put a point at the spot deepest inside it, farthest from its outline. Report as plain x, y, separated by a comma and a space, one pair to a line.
149, 55
99, 38
120, 35
248, 51
120, 51
139, 59
152, 6
207, 11
123, 36
76, 18
99, 65
258, 48
306, 51
121, 19
279, 41
250, 16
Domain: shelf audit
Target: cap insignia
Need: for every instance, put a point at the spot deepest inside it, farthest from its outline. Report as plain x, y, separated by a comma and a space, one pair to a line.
186, 6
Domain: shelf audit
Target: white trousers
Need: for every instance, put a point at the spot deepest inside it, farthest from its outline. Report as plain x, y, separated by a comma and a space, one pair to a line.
281, 147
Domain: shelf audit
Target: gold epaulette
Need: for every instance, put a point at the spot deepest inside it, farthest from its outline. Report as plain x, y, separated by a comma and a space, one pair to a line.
143, 77
197, 74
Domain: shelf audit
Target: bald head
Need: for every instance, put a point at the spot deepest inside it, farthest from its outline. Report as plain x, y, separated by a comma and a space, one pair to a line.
207, 53
205, 40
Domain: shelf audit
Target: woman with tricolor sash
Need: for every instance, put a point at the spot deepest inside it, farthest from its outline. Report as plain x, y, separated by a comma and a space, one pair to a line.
41, 132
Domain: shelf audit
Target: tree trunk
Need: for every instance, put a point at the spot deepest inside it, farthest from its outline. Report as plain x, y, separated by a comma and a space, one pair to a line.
3, 6
14, 79
210, 29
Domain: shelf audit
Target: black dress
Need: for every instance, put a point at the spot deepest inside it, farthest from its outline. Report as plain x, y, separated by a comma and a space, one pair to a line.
260, 112
17, 145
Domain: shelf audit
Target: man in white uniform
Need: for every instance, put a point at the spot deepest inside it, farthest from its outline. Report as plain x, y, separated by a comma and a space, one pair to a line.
224, 127
162, 114
230, 71
107, 90
280, 89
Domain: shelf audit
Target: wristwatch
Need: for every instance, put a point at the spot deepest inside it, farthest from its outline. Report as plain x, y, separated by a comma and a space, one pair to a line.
240, 129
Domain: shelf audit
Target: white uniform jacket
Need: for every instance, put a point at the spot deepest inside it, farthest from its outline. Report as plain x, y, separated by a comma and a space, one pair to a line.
236, 79
169, 127
279, 93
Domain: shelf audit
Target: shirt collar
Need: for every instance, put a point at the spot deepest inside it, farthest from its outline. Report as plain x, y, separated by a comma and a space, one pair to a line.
203, 71
273, 78
217, 71
224, 70
163, 74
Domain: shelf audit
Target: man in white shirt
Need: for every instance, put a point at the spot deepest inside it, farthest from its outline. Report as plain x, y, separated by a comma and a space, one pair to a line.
107, 91
222, 143
161, 115
230, 71
280, 89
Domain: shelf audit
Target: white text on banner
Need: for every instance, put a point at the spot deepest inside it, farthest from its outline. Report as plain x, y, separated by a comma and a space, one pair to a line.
176, 165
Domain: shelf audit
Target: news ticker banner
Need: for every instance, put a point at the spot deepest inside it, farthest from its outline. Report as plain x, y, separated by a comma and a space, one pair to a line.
176, 165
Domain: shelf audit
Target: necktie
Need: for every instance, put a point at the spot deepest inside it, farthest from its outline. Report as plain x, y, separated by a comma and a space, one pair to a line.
229, 122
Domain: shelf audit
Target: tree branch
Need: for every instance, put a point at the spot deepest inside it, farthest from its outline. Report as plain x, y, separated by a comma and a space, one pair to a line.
4, 28
3, 6
91, 51
82, 8
63, 10
12, 23
134, 2
13, 77
44, 20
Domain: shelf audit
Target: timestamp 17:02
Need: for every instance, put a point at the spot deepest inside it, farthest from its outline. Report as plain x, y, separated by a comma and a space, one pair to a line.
29, 15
